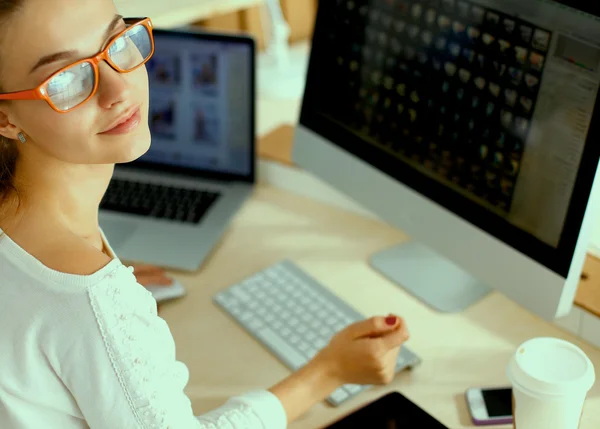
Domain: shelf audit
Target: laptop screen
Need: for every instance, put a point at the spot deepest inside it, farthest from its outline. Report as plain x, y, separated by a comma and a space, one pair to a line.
201, 108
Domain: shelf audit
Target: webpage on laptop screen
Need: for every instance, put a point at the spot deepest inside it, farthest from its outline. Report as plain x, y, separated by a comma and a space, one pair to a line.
200, 104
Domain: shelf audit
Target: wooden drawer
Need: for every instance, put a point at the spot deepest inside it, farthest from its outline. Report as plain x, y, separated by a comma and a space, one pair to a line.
588, 294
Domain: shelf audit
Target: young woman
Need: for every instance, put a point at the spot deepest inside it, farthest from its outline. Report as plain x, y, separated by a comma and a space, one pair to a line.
81, 344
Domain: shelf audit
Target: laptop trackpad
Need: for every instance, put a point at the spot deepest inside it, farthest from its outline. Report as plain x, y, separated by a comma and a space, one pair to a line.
118, 232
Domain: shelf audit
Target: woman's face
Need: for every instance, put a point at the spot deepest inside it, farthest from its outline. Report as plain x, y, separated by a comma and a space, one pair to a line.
73, 29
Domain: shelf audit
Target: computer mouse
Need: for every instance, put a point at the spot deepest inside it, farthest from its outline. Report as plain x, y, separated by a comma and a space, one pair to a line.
167, 293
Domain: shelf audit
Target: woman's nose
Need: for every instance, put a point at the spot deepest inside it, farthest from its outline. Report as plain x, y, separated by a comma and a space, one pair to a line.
112, 86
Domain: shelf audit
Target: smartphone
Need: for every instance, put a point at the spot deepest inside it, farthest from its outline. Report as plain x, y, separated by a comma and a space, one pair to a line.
490, 405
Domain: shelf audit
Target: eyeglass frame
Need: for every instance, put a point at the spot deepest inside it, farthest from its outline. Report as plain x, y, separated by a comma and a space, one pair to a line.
40, 93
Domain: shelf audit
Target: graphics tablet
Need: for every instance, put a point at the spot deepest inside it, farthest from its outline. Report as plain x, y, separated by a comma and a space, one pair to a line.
388, 412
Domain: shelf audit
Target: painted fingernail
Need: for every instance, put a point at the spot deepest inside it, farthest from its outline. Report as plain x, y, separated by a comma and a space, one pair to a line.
391, 320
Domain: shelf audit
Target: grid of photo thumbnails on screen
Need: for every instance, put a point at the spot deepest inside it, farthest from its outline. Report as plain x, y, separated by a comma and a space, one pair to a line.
168, 86
452, 92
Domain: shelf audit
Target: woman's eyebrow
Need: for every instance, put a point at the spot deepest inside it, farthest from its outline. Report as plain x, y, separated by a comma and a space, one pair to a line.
49, 59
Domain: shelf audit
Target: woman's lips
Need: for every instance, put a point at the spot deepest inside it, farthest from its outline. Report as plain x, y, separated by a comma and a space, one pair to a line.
127, 126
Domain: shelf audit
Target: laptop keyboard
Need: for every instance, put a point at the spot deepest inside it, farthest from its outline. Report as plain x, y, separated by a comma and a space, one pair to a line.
158, 201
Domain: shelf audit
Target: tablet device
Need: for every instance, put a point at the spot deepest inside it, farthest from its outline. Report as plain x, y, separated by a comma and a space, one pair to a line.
388, 412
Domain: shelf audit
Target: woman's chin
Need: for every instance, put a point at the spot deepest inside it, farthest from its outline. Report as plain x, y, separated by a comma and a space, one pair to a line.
134, 149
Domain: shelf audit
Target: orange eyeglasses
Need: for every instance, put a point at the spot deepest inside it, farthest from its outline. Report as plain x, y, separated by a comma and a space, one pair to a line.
75, 84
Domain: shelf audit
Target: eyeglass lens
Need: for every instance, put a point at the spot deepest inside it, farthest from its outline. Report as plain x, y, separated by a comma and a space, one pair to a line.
74, 85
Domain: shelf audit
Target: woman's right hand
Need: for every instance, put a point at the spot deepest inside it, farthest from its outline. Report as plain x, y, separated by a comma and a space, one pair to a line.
365, 352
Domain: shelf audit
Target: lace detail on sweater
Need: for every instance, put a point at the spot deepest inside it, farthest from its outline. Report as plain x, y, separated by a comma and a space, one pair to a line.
235, 418
140, 346
141, 350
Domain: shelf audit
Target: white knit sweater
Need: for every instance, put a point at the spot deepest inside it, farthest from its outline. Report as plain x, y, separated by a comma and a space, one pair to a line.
91, 352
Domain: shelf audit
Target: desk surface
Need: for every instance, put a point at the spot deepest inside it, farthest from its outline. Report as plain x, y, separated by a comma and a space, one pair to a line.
175, 13
458, 350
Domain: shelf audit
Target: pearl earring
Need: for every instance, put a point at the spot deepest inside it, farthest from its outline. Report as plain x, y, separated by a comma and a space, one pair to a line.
22, 137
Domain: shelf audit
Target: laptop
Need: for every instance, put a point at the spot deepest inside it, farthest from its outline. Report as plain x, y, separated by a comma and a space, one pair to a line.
172, 206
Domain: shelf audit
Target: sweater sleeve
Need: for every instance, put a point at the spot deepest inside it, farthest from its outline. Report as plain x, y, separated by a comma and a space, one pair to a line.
121, 369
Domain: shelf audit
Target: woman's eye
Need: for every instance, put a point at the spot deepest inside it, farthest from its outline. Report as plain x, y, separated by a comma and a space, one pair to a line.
119, 45
63, 78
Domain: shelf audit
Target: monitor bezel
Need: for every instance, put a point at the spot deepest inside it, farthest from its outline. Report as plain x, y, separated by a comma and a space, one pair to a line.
583, 5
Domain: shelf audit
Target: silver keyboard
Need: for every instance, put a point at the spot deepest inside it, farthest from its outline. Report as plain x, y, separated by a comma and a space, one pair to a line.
294, 317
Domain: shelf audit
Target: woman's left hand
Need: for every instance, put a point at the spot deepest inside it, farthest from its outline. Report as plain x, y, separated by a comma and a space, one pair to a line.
151, 275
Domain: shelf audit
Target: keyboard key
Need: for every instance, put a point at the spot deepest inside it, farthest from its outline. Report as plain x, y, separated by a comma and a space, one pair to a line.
339, 327
320, 344
303, 347
338, 314
311, 353
339, 395
347, 320
281, 347
230, 301
239, 293
325, 332
235, 310
254, 324
353, 388
246, 316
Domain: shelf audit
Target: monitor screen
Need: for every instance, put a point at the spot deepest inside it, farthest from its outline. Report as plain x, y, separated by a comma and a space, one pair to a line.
201, 103
483, 106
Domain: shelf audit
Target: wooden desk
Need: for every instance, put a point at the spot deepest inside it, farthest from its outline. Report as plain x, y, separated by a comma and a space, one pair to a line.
176, 13
458, 350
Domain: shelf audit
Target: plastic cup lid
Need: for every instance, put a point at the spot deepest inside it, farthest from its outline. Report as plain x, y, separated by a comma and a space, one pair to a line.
551, 366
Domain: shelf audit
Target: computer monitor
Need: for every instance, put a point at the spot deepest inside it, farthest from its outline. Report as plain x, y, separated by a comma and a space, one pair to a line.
470, 125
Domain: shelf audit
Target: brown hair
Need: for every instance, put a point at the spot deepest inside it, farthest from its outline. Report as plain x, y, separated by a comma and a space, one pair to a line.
8, 148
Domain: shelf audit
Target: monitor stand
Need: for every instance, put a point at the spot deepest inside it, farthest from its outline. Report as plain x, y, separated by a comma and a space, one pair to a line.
429, 277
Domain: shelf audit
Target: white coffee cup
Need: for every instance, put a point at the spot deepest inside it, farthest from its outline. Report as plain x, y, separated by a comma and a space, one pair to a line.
550, 379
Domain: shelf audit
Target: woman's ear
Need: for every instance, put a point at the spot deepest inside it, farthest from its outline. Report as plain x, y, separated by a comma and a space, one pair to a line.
7, 129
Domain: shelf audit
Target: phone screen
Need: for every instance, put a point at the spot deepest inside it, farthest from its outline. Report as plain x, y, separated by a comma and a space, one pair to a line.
498, 402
